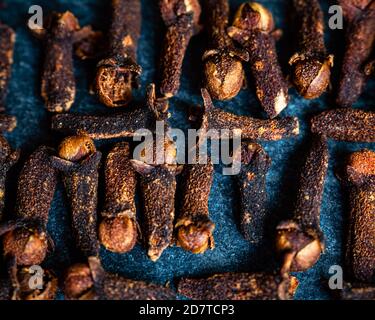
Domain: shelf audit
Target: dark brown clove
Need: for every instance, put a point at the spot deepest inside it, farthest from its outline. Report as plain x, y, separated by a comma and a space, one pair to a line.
311, 65
193, 227
7, 123
118, 229
239, 286
345, 124
79, 161
7, 40
360, 40
215, 120
253, 28
251, 181
25, 238
118, 73
358, 292
91, 282
223, 71
181, 18
300, 239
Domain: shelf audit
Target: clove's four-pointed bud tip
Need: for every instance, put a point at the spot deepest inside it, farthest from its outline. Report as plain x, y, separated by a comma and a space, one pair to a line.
76, 148
78, 281
196, 238
253, 15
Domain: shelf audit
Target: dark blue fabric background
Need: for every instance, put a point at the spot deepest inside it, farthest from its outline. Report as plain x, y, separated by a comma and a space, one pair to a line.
232, 253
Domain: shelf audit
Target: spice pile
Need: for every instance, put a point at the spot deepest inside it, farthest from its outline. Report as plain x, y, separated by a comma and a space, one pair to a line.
110, 220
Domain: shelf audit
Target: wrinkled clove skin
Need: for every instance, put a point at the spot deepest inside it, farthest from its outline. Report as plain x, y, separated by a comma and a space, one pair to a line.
118, 229
254, 129
239, 286
193, 227
118, 73
252, 28
7, 40
58, 82
25, 238
181, 18
359, 176
347, 124
7, 123
311, 65
91, 282
8, 158
300, 240
360, 40
251, 181
79, 162
223, 71
357, 292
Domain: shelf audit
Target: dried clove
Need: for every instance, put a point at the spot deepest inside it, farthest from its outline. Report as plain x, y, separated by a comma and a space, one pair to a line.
223, 71
25, 238
118, 229
7, 40
79, 161
345, 124
359, 175
360, 40
300, 239
118, 73
91, 282
181, 18
252, 187
193, 227
7, 123
253, 28
239, 286
311, 64
357, 292
254, 129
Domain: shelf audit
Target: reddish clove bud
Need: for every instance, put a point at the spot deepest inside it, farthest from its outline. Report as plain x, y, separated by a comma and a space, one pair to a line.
118, 229
79, 161
252, 186
300, 240
239, 286
118, 73
360, 40
88, 282
223, 70
254, 129
311, 64
252, 28
345, 124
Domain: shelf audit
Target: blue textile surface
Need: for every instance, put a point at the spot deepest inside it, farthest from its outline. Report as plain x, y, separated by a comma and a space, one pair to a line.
232, 252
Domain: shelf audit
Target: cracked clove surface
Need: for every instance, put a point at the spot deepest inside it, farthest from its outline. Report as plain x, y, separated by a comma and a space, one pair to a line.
311, 65
251, 181
215, 119
118, 73
118, 228
223, 71
252, 28
239, 286
347, 124
300, 240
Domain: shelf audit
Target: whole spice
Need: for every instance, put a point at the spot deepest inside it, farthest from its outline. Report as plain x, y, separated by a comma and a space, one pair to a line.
252, 186
360, 40
118, 229
346, 124
8, 158
311, 64
181, 18
359, 175
90, 281
79, 161
7, 122
118, 73
357, 292
25, 238
253, 28
7, 40
193, 227
223, 72
215, 120
300, 239
239, 286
